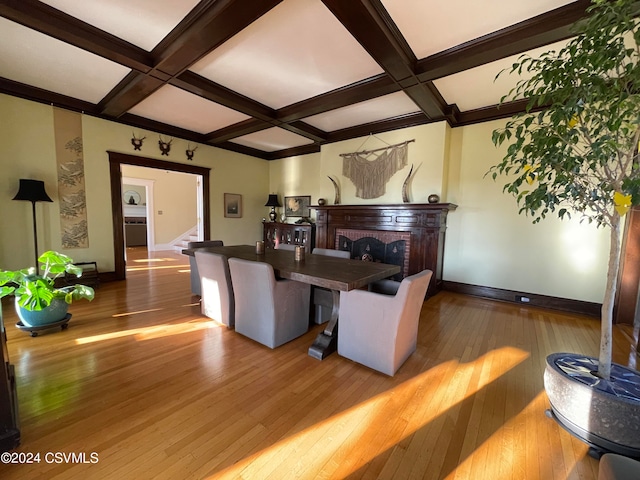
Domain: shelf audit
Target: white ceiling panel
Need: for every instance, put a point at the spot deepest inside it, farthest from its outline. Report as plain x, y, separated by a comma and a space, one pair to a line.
431, 27
272, 139
296, 51
476, 88
392, 105
141, 22
174, 106
29, 57
299, 65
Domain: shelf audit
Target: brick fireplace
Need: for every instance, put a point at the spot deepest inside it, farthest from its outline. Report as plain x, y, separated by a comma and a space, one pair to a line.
409, 235
377, 246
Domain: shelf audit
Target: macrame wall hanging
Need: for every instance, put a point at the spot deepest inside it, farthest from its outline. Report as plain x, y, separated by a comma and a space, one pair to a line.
370, 170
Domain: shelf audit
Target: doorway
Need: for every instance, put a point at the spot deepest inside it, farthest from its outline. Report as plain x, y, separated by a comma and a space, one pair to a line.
117, 159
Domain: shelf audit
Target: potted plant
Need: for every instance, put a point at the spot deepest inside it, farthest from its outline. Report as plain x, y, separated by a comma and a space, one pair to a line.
38, 300
575, 150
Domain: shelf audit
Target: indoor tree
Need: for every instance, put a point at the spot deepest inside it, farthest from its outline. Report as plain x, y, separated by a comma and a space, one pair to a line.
575, 148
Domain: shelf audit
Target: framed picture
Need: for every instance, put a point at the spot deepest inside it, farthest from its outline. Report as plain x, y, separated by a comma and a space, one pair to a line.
297, 206
232, 205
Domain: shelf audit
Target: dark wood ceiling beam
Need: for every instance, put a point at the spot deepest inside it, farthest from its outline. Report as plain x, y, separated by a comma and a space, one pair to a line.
364, 23
535, 32
57, 24
342, 97
306, 130
207, 26
293, 152
203, 87
236, 147
251, 125
403, 121
494, 112
369, 23
127, 94
161, 128
17, 89
429, 99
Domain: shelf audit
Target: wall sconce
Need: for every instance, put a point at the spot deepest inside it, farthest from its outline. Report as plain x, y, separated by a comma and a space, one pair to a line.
33, 191
273, 203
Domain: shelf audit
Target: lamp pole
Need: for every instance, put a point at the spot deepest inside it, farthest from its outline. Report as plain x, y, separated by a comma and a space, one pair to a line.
33, 191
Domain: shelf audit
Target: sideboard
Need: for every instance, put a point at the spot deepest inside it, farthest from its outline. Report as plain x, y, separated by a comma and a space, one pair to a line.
419, 228
275, 233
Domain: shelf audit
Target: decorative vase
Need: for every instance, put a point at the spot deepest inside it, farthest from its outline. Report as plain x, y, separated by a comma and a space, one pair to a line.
321, 201
604, 414
54, 313
433, 198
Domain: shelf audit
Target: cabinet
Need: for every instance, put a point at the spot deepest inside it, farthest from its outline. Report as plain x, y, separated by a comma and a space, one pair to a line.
9, 433
275, 233
135, 231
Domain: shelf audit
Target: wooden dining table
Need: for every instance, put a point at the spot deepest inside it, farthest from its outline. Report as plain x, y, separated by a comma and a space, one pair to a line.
333, 273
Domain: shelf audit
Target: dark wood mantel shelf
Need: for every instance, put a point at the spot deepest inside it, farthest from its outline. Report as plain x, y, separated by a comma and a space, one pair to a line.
425, 222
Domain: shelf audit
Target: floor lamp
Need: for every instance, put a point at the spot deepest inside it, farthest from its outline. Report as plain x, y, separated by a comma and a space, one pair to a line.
33, 191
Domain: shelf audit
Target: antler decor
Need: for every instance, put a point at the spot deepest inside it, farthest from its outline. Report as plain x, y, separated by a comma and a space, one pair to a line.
190, 151
165, 147
137, 142
335, 185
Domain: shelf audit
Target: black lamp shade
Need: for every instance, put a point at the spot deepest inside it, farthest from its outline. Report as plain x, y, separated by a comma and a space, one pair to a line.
32, 191
273, 201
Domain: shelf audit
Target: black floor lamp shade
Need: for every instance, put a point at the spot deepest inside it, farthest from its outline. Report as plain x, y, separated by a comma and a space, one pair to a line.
33, 191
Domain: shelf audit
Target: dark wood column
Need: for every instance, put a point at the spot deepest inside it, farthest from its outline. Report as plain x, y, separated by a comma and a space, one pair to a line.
629, 275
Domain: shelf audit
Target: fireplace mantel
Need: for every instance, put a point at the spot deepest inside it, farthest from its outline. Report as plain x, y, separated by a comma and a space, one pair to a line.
426, 224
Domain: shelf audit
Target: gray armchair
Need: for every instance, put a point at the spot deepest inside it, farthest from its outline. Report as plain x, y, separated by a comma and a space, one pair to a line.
217, 299
269, 311
193, 267
381, 331
322, 297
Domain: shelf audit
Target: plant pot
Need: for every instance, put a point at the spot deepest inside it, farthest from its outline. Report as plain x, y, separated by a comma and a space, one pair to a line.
55, 312
604, 414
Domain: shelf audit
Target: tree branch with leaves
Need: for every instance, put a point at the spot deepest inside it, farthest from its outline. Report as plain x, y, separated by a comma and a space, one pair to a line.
575, 148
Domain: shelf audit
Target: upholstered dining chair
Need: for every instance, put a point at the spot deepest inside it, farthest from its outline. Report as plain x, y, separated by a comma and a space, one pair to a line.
194, 277
268, 310
381, 331
217, 299
322, 297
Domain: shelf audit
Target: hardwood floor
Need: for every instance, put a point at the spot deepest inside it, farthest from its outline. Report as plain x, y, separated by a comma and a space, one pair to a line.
154, 390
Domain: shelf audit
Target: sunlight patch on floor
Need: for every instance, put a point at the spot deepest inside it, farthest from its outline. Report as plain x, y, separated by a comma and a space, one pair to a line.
322, 447
140, 260
165, 267
138, 312
156, 331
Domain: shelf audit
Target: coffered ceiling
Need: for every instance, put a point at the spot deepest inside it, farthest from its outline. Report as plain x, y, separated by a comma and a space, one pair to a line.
275, 78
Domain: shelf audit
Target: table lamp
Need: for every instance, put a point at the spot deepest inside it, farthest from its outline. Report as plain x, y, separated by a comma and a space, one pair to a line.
273, 203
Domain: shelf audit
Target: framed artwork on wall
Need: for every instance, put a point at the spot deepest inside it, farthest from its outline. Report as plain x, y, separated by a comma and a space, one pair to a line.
232, 205
297, 206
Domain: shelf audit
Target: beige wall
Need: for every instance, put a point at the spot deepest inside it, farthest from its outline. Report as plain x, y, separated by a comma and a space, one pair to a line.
487, 243
27, 151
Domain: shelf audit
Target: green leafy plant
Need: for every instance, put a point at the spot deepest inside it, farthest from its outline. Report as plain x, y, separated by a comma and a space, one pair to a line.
575, 149
36, 291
